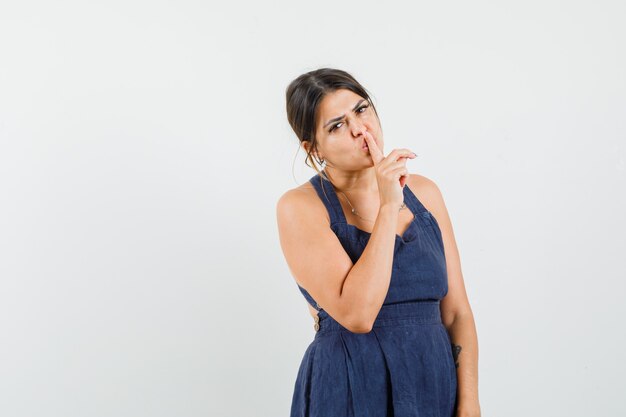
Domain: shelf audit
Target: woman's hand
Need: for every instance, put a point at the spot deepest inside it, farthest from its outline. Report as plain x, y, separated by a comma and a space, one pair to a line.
391, 171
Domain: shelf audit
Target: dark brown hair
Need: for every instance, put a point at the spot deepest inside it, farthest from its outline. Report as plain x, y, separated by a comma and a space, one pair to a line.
305, 93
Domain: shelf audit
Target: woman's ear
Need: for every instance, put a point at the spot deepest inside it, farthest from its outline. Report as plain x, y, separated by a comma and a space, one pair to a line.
306, 145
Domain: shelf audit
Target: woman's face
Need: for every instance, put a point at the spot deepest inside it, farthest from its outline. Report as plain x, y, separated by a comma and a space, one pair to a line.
342, 120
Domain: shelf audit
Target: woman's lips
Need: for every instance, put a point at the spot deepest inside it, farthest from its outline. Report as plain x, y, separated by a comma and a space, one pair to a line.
364, 145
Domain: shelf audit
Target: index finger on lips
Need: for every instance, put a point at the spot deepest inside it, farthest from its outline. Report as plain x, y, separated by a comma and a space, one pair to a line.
375, 152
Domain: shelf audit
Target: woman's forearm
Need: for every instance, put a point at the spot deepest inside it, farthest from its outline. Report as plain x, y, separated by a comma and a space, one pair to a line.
367, 283
465, 349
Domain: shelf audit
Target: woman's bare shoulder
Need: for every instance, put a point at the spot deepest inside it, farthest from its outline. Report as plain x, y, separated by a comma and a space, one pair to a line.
303, 198
302, 192
426, 190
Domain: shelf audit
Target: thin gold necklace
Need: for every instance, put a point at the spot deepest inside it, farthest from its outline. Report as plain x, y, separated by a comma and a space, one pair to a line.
357, 214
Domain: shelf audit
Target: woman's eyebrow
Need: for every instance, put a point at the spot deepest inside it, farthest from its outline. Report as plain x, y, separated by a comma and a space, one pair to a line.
343, 115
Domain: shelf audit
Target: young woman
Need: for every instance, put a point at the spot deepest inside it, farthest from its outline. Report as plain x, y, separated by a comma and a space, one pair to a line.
372, 250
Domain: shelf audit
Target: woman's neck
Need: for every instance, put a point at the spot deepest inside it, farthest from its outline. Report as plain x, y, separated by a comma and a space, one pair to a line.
361, 181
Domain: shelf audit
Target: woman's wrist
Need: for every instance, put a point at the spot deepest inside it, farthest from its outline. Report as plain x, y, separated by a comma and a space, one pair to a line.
468, 408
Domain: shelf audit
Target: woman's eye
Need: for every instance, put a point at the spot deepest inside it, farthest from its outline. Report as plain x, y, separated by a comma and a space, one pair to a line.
358, 111
335, 126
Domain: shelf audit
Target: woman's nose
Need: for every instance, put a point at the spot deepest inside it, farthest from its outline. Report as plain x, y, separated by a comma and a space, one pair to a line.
358, 129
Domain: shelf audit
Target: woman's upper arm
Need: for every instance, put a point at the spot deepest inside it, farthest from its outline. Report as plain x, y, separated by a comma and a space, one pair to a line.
455, 302
314, 254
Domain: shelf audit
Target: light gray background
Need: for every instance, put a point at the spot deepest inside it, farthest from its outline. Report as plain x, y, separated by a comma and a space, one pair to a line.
143, 146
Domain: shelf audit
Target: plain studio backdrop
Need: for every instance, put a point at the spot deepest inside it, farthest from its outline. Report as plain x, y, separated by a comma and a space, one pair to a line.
143, 147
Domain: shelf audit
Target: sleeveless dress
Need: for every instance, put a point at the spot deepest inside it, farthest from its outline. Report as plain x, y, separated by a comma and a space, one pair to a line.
403, 367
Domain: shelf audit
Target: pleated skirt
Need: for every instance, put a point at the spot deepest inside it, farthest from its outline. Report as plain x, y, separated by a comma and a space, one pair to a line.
404, 367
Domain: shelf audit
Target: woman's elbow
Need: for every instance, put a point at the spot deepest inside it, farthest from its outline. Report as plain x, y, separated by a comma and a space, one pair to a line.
359, 324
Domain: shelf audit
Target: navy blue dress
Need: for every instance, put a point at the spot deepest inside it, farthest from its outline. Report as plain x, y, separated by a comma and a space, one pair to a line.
404, 367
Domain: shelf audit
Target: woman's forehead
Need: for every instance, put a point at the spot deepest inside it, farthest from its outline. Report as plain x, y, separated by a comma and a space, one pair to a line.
336, 103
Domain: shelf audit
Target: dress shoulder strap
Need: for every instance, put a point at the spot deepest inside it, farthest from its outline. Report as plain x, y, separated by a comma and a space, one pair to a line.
327, 194
412, 201
310, 299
